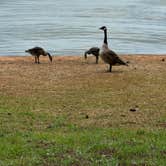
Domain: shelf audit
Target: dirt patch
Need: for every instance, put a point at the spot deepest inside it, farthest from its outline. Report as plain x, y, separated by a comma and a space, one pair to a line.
86, 92
108, 153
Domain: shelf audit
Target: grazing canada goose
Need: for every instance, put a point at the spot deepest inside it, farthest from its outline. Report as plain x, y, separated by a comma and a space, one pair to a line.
108, 55
94, 51
37, 51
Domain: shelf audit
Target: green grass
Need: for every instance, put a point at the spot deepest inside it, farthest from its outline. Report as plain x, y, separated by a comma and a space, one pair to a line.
32, 138
82, 119
80, 146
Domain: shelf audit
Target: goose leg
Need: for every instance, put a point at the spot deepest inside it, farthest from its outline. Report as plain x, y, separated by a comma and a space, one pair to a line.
35, 59
38, 59
97, 59
110, 70
85, 55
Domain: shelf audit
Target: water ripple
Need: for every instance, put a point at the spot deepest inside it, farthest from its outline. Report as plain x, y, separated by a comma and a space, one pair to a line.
70, 27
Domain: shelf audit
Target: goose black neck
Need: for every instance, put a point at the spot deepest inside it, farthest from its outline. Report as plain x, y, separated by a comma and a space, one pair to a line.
105, 36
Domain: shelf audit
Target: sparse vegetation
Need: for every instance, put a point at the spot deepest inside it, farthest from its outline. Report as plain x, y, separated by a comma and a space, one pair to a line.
73, 112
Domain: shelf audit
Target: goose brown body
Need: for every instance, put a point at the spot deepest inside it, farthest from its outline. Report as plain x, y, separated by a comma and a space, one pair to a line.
37, 51
94, 51
109, 56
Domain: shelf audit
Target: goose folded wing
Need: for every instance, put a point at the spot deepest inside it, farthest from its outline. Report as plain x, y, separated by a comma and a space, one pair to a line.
115, 58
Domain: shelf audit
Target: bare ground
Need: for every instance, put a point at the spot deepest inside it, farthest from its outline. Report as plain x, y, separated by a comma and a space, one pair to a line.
87, 93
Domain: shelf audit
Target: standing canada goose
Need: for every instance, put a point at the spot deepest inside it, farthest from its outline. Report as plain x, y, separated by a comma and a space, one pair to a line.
108, 55
37, 51
94, 51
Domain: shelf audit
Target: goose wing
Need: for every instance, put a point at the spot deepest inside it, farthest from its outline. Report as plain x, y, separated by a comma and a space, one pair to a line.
39, 51
36, 49
111, 57
93, 50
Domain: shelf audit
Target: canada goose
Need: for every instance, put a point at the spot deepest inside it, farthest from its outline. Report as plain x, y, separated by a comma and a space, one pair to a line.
108, 55
94, 51
37, 51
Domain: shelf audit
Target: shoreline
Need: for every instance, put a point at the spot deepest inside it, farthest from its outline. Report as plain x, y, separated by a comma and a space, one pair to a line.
127, 57
143, 55
150, 54
66, 55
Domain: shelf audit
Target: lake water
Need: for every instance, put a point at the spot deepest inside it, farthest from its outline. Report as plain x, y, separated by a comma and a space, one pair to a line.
69, 27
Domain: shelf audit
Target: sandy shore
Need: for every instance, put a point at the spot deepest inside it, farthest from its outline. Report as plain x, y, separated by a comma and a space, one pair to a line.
126, 57
71, 79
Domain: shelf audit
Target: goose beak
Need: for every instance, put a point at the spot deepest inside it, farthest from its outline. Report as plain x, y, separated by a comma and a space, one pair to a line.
103, 28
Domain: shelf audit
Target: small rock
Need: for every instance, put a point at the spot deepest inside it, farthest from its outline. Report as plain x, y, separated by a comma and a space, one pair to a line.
86, 116
136, 106
134, 109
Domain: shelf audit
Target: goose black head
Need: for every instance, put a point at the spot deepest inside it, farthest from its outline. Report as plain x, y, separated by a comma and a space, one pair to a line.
103, 28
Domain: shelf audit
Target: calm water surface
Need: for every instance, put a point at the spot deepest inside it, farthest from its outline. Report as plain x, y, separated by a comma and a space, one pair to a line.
69, 27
